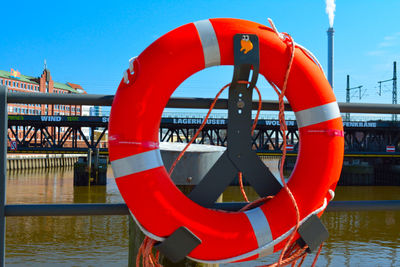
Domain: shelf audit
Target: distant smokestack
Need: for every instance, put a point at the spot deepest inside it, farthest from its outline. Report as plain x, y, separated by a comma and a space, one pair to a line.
330, 55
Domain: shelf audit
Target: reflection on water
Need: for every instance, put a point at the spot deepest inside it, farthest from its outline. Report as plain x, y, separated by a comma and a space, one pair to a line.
356, 238
63, 241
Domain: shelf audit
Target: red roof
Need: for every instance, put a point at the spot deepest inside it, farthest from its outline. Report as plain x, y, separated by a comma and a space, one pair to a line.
75, 86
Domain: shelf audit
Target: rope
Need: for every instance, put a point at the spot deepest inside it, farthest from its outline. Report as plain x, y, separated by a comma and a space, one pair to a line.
289, 255
145, 254
317, 255
242, 187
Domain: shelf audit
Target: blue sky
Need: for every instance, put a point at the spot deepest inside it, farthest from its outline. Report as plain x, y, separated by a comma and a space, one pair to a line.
90, 42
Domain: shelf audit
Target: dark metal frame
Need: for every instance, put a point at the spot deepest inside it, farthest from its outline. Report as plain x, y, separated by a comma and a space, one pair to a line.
121, 209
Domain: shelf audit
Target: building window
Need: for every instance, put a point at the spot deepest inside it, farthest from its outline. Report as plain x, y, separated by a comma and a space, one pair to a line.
13, 84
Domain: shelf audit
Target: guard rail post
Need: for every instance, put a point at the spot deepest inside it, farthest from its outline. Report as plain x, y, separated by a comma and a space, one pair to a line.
3, 169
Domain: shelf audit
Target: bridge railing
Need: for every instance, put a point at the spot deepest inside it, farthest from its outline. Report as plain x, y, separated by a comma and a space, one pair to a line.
121, 209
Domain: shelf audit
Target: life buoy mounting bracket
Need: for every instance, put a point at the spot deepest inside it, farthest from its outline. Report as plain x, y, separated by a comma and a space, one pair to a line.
238, 156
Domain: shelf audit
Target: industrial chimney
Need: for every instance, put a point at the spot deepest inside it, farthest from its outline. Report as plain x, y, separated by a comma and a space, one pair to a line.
330, 55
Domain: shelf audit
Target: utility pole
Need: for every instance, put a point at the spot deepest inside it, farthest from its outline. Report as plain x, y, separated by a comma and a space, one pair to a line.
394, 90
394, 93
348, 89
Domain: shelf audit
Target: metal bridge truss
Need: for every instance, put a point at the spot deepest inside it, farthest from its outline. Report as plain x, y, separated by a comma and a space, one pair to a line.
371, 140
264, 138
65, 133
360, 137
56, 134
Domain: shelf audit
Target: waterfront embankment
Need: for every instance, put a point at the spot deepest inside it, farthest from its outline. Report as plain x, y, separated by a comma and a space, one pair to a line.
34, 161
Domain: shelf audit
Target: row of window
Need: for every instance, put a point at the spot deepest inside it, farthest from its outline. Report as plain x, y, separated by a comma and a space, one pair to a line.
27, 86
62, 107
21, 85
10, 107
20, 137
60, 91
25, 111
31, 111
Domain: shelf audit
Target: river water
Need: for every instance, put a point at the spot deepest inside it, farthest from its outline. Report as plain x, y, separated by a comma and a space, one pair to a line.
356, 238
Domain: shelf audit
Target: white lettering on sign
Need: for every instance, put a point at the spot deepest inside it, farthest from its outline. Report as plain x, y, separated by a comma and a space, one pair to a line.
199, 121
50, 118
360, 124
276, 123
104, 119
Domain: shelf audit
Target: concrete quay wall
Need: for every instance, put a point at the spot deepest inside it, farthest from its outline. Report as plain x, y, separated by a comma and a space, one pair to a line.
29, 161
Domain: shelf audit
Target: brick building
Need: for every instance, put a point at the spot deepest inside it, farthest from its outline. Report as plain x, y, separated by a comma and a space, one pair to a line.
17, 82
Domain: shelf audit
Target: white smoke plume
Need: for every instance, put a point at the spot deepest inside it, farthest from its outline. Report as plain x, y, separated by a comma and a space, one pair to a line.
330, 10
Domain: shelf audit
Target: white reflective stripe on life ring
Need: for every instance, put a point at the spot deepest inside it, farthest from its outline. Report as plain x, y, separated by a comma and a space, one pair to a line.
260, 225
137, 163
209, 42
317, 114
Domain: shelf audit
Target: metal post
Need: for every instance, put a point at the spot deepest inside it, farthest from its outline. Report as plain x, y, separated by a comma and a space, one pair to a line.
96, 164
3, 169
394, 100
89, 165
348, 96
330, 55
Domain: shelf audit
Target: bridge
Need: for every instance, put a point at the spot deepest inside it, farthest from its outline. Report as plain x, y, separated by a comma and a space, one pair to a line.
67, 134
56, 134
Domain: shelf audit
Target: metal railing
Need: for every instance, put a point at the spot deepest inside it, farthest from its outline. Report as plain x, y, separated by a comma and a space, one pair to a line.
121, 209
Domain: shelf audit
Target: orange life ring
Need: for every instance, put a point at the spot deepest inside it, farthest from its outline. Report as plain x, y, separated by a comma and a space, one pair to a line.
157, 205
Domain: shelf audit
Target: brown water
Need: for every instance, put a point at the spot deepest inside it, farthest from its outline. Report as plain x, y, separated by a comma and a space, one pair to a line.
356, 238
